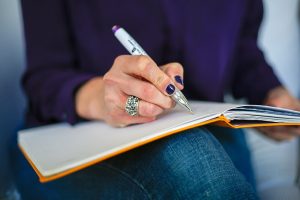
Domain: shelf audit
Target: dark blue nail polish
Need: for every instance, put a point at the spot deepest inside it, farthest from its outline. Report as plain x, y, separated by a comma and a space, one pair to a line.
179, 80
170, 89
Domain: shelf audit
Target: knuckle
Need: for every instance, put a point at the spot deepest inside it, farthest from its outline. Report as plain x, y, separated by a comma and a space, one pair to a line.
148, 110
120, 62
149, 92
166, 102
180, 66
107, 77
144, 64
143, 59
119, 59
177, 68
111, 78
163, 80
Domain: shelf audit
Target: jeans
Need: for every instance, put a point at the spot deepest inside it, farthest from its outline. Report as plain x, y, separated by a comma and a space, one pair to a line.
188, 165
235, 144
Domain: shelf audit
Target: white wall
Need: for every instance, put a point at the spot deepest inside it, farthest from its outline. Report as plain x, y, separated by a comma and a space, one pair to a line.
280, 39
276, 163
11, 66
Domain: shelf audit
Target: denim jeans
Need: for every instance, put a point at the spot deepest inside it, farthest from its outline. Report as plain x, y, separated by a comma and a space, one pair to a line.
188, 165
235, 144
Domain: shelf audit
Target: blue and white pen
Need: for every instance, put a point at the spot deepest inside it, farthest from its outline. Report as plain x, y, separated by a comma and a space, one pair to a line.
135, 49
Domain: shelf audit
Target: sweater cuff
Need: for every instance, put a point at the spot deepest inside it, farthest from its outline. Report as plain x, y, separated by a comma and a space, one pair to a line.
67, 97
260, 90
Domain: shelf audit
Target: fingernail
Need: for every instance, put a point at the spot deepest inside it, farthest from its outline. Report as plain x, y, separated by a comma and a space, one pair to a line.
179, 80
170, 89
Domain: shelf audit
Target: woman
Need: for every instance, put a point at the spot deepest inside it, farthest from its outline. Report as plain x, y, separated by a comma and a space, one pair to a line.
76, 71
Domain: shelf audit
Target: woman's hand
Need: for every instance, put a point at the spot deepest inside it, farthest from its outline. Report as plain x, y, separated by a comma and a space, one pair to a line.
280, 97
104, 98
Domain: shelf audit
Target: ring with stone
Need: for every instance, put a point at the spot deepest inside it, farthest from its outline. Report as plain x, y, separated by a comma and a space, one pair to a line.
132, 105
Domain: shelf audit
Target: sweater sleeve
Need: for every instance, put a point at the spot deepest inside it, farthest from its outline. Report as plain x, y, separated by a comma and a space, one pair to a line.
52, 74
253, 77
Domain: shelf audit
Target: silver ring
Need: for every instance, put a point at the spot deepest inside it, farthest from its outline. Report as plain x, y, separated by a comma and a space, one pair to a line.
132, 105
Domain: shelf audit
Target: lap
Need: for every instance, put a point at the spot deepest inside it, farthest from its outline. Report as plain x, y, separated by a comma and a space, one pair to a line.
188, 165
235, 144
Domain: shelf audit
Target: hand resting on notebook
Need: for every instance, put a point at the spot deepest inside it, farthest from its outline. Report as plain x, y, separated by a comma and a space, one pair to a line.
280, 97
104, 98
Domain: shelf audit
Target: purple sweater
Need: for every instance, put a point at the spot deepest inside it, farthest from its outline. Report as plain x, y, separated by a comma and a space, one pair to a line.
70, 41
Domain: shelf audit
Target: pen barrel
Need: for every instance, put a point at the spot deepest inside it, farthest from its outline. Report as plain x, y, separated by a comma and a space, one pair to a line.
180, 99
129, 43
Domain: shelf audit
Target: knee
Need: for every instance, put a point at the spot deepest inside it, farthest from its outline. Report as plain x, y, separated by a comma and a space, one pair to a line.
197, 166
226, 183
184, 152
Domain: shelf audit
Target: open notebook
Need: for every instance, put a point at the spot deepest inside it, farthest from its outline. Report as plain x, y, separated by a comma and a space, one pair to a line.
58, 150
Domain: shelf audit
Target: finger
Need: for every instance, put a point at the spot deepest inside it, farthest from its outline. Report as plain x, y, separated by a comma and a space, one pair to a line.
124, 120
120, 118
296, 130
145, 91
277, 133
281, 136
145, 67
145, 109
282, 129
128, 120
148, 109
175, 72
288, 130
116, 115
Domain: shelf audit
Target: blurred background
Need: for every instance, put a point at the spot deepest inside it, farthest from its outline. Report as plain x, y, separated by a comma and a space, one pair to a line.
12, 102
275, 163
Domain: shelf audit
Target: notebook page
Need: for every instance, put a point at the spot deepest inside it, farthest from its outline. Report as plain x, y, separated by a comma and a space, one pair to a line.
60, 147
263, 113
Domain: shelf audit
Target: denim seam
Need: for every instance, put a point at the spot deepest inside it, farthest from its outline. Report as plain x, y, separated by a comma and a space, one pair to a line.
127, 176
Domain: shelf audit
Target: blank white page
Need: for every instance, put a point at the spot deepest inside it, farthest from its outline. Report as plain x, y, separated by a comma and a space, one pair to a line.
56, 148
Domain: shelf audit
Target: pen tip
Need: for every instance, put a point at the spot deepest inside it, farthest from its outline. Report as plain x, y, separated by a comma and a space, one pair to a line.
190, 110
115, 28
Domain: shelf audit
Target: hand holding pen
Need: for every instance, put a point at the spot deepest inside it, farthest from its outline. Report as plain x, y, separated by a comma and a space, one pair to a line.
135, 49
106, 98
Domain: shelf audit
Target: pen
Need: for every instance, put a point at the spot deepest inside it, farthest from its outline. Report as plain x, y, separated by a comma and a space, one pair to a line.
135, 49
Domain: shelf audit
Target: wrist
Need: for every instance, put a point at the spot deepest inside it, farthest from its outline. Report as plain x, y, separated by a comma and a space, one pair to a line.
89, 100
